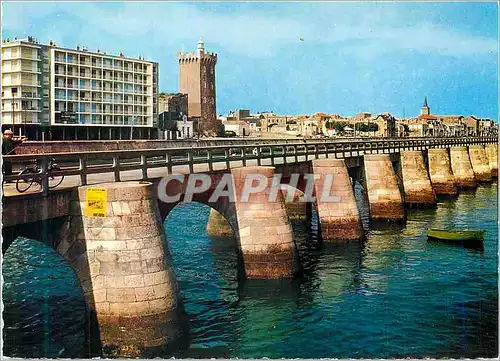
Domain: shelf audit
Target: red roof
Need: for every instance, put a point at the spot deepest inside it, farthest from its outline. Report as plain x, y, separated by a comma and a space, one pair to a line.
427, 116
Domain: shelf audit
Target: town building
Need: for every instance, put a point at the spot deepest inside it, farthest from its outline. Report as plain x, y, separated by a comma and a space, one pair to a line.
173, 117
197, 79
176, 103
51, 92
434, 125
240, 127
386, 124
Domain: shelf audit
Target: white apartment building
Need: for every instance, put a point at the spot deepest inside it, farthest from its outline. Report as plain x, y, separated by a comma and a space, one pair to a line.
57, 93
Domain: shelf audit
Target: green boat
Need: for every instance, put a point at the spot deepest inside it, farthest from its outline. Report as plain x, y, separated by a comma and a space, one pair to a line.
464, 236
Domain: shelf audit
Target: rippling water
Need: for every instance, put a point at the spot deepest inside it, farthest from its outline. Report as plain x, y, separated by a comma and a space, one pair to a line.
396, 295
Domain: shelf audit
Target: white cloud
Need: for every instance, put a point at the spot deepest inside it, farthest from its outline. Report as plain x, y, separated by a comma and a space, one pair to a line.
254, 33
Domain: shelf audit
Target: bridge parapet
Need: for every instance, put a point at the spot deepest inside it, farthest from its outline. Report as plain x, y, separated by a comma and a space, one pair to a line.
116, 161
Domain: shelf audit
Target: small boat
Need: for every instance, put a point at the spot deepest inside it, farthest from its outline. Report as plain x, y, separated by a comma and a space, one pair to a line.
460, 237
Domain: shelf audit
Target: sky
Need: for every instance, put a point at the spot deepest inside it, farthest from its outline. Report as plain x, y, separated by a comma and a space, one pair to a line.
297, 57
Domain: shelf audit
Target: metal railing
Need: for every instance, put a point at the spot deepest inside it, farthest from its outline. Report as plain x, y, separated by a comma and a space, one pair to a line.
115, 161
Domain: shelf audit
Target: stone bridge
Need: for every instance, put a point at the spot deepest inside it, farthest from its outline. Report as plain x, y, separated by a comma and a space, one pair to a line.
122, 260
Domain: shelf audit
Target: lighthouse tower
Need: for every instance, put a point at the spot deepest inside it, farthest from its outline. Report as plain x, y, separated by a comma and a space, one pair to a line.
197, 79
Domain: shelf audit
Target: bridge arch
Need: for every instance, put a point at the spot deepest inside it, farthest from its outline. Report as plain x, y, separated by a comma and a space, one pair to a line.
58, 235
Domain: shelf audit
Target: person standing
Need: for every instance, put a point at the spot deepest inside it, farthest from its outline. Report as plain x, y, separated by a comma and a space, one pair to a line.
7, 149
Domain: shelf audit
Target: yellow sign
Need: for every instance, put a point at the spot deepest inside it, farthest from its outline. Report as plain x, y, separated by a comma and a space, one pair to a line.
96, 202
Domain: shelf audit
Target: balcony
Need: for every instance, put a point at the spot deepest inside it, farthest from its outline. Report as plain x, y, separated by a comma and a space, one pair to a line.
27, 95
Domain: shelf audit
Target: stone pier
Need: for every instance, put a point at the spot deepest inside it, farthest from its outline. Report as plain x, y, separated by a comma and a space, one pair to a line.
462, 168
492, 154
295, 208
264, 231
124, 266
218, 225
442, 179
480, 163
417, 185
339, 219
382, 188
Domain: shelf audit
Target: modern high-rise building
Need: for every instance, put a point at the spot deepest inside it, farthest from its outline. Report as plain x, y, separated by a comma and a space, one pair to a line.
197, 79
76, 93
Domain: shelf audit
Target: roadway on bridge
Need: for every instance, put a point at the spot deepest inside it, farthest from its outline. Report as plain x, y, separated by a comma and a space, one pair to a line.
9, 189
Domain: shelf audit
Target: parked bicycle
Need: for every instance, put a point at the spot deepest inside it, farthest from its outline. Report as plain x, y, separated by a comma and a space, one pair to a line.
23, 184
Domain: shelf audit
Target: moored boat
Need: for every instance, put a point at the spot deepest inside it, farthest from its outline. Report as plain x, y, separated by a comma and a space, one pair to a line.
461, 236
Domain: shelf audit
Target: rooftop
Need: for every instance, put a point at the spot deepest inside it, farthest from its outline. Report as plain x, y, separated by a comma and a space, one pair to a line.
30, 40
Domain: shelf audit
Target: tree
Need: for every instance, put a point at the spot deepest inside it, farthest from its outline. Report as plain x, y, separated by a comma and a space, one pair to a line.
367, 127
329, 124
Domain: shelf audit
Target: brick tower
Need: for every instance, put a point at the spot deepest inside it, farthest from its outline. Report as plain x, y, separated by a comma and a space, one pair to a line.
197, 79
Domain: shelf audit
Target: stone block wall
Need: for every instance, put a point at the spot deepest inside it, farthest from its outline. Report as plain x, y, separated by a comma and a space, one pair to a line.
442, 179
462, 168
416, 183
480, 163
124, 266
339, 220
218, 225
386, 203
264, 231
492, 154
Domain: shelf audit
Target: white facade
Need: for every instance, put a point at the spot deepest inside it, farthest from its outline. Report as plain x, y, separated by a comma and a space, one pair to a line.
67, 87
22, 83
241, 128
102, 90
185, 130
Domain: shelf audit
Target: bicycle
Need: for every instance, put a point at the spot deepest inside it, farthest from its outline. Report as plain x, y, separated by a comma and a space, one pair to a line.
23, 184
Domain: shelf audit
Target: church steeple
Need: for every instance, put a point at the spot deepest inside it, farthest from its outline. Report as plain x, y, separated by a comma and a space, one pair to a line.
425, 110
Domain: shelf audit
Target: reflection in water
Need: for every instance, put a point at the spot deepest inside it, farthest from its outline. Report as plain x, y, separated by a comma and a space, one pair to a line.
44, 314
394, 295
